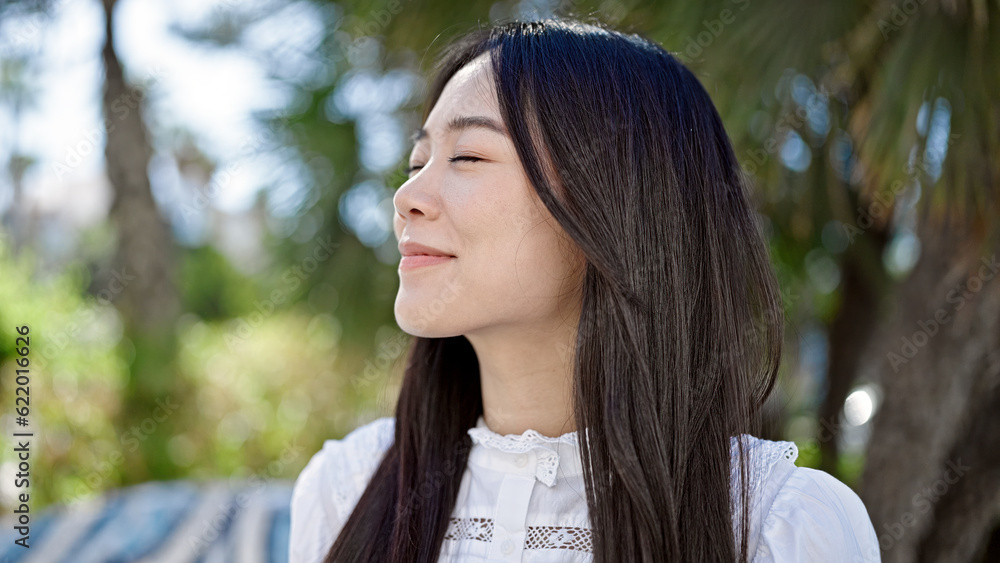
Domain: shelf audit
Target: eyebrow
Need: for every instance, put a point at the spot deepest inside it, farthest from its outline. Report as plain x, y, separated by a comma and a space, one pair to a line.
461, 122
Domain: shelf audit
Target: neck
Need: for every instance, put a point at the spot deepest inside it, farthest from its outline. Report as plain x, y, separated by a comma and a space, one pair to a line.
526, 375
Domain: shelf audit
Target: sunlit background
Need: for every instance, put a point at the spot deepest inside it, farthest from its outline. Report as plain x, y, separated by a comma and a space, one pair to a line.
243, 283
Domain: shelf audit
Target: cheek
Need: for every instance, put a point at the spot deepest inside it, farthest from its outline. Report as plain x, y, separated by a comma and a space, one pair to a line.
533, 260
514, 248
482, 220
545, 261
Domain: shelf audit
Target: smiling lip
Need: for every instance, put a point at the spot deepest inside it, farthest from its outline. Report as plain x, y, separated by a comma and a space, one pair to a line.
416, 255
418, 260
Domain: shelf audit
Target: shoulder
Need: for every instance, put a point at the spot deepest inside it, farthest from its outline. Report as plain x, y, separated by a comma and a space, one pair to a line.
329, 486
806, 514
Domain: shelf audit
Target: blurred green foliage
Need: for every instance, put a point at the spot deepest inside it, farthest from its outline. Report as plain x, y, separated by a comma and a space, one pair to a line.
245, 376
246, 388
76, 377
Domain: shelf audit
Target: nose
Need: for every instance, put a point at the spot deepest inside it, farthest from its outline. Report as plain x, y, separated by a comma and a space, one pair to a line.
417, 197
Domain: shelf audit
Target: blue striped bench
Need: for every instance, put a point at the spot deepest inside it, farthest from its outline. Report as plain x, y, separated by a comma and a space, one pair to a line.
161, 522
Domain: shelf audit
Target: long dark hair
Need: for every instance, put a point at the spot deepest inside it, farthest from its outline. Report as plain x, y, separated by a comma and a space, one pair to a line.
679, 338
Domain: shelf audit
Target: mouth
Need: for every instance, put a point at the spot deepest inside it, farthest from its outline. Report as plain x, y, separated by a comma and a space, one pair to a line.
411, 261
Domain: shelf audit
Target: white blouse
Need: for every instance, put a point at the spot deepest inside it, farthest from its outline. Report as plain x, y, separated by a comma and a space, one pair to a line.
522, 498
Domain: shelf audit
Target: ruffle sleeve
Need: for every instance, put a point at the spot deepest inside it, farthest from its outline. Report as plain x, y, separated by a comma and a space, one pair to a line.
815, 517
329, 486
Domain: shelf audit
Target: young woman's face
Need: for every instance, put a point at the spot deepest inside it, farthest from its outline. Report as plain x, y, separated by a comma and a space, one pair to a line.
510, 262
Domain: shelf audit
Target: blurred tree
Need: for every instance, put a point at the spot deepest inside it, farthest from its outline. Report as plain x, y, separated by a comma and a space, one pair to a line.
145, 247
18, 93
899, 105
141, 272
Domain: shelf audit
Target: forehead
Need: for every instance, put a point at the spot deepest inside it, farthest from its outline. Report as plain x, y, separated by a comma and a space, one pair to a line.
469, 91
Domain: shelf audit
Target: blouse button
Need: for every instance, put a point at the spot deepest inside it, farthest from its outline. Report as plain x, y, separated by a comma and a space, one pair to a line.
521, 460
507, 547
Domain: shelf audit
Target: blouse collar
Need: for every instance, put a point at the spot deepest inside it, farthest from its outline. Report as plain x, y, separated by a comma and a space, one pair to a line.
526, 453
530, 453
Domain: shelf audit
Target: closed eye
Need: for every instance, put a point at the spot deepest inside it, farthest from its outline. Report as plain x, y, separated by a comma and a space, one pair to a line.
463, 157
451, 159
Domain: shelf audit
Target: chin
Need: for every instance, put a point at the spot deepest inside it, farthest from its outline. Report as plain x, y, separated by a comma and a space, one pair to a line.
428, 314
417, 319
424, 329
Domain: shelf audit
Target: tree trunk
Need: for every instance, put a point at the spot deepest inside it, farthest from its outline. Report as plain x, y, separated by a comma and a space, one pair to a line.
969, 506
139, 282
946, 326
850, 332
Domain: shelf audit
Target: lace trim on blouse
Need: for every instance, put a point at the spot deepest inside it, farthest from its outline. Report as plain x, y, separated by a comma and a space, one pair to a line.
518, 443
537, 537
548, 458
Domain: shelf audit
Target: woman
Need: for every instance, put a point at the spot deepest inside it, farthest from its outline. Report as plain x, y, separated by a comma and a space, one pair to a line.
578, 253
